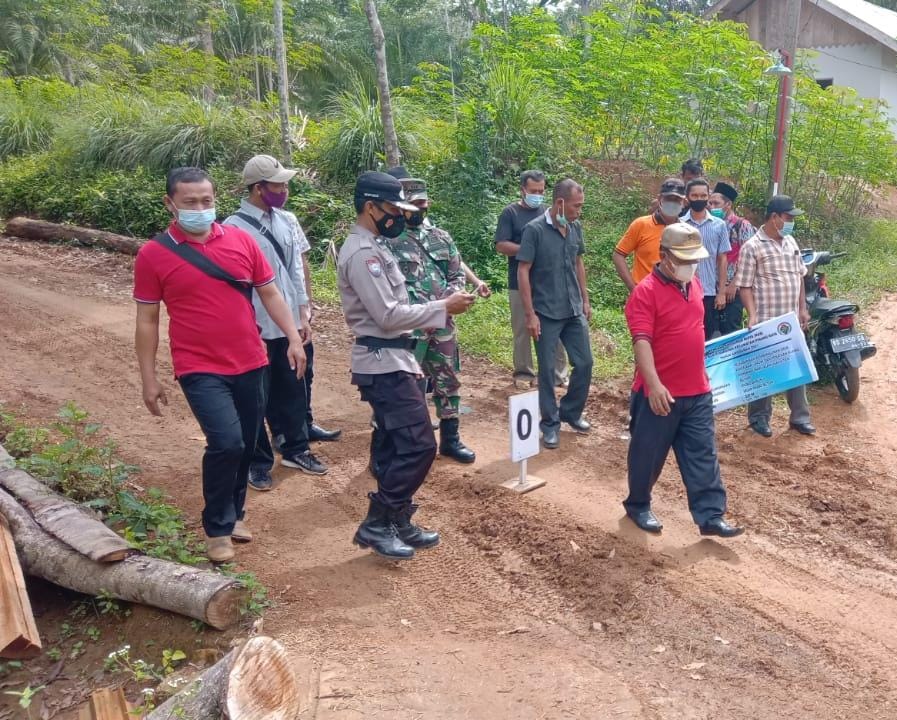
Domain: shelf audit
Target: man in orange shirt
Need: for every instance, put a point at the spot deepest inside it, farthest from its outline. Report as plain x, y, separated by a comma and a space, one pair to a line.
643, 235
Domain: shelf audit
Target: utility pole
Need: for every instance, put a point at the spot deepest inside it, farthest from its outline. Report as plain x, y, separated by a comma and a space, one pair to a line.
283, 84
781, 28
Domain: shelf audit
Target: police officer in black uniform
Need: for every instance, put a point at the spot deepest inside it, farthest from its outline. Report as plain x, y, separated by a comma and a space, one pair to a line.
376, 308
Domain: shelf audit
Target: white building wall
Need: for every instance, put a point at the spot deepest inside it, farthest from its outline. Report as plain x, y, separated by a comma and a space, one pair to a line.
870, 69
856, 66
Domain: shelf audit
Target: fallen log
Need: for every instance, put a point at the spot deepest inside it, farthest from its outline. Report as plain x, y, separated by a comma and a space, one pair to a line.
31, 229
202, 594
65, 520
107, 704
252, 682
18, 632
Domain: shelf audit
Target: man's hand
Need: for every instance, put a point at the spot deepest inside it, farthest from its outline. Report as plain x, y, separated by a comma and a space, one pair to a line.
587, 310
296, 356
752, 320
720, 302
804, 317
731, 292
459, 302
153, 394
660, 400
534, 326
483, 290
305, 334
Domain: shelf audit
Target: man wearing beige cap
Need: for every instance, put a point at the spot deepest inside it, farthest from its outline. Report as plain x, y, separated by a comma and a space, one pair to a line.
671, 405
282, 241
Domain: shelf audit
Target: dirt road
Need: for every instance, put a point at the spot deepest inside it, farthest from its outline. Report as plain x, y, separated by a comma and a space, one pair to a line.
548, 605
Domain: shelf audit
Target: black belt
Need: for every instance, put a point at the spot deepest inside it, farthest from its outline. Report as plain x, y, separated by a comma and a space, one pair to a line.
376, 343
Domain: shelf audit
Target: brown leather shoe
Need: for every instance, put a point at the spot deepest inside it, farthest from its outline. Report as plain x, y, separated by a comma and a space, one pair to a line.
219, 549
241, 533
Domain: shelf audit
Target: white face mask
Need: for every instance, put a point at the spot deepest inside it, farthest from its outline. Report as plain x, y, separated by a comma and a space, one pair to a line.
685, 273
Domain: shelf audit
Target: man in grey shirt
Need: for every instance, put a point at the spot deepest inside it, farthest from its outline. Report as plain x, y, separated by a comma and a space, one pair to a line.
282, 242
377, 311
508, 233
552, 280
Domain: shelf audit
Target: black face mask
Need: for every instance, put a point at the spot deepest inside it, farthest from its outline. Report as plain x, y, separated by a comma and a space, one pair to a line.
415, 219
390, 226
698, 205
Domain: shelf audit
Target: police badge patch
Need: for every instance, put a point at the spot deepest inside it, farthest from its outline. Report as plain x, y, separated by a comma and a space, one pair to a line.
375, 267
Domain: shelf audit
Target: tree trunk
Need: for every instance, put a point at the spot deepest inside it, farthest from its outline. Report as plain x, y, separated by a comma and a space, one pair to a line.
283, 83
208, 47
391, 140
18, 632
42, 230
64, 520
202, 594
252, 681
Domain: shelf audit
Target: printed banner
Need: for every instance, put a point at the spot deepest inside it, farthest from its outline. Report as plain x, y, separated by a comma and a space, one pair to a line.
751, 364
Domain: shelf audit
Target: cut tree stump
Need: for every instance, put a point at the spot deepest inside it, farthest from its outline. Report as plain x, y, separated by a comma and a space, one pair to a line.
30, 229
18, 631
202, 594
253, 682
65, 520
107, 704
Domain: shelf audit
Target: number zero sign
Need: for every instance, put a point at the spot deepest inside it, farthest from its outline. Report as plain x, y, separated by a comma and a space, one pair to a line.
523, 425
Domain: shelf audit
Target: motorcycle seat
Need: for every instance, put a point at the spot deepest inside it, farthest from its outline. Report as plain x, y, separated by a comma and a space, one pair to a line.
827, 306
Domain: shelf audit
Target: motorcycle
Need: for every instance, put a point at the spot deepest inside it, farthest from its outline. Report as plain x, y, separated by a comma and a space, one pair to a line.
832, 336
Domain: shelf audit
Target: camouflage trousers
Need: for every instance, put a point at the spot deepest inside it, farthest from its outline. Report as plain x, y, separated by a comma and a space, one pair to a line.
440, 362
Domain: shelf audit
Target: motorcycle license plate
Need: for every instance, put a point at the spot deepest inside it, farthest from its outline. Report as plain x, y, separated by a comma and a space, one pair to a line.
849, 342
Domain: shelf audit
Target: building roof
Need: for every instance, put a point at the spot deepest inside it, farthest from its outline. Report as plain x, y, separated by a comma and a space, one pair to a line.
878, 23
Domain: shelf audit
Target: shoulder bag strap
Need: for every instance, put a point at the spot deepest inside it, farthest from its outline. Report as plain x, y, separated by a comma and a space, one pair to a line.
201, 262
269, 236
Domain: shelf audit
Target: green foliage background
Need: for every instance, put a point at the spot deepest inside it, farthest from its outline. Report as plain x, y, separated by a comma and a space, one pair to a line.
98, 99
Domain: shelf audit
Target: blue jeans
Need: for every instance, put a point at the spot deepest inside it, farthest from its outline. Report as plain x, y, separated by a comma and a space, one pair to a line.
229, 409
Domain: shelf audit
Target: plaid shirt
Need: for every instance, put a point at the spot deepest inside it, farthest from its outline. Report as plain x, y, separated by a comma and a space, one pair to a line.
774, 270
740, 231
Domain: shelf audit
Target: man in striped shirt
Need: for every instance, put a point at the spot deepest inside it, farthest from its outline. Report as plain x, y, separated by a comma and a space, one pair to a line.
771, 280
715, 236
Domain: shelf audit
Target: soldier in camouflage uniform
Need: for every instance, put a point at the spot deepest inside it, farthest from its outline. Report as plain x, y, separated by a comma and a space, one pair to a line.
433, 270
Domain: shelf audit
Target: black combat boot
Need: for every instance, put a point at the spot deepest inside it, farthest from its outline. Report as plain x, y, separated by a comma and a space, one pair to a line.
411, 534
450, 444
378, 533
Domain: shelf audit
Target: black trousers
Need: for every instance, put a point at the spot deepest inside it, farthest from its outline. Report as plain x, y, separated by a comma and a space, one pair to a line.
229, 409
732, 318
286, 410
309, 378
688, 429
403, 446
711, 317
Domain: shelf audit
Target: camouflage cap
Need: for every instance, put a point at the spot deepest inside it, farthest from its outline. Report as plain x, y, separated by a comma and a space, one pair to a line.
415, 189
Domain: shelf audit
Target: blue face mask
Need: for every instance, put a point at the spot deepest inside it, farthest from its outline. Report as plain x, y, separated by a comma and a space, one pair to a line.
533, 200
561, 217
196, 221
787, 227
718, 213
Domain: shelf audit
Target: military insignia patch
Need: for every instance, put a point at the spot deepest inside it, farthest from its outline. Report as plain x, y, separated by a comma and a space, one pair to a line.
375, 267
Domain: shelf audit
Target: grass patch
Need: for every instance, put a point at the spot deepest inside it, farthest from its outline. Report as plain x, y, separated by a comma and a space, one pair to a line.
870, 268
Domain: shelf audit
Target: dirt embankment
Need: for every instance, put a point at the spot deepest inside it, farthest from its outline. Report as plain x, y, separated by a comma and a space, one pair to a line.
548, 605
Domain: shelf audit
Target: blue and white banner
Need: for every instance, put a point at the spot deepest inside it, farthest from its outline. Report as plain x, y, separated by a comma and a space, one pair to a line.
751, 364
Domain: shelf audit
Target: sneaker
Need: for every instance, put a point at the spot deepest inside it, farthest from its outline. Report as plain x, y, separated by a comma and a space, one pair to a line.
306, 462
260, 479
241, 533
219, 549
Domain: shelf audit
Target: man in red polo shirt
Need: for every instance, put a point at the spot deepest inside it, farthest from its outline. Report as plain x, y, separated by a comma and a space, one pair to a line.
671, 405
218, 357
